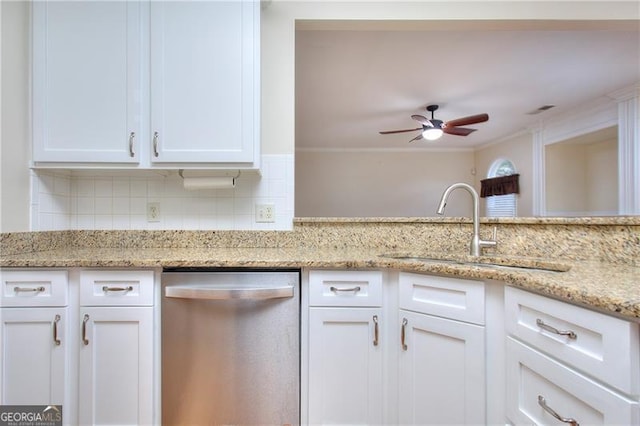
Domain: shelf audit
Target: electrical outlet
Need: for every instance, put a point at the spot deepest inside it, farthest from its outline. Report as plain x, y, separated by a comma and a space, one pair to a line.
153, 212
265, 213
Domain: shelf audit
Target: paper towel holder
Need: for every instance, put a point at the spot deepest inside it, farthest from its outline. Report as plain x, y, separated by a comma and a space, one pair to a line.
208, 182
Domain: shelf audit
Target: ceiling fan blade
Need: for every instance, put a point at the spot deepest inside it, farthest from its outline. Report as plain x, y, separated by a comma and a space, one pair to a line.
458, 131
472, 119
388, 132
422, 120
417, 138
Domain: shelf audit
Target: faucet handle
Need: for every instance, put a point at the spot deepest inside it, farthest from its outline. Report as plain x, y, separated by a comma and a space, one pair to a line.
493, 242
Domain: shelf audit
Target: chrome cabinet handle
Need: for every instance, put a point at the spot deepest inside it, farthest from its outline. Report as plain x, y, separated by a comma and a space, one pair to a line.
132, 137
28, 289
55, 330
85, 320
156, 135
403, 334
375, 330
353, 289
570, 334
107, 289
543, 403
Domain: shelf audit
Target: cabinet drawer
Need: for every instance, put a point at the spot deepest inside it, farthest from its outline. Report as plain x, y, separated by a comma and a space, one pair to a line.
453, 298
602, 346
116, 288
345, 288
23, 288
531, 375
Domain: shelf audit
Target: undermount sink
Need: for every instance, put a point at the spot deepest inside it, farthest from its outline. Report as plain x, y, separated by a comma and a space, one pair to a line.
494, 262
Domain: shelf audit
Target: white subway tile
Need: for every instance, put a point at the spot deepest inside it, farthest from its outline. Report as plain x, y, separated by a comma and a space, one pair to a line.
121, 206
103, 222
138, 188
121, 187
103, 206
104, 187
85, 187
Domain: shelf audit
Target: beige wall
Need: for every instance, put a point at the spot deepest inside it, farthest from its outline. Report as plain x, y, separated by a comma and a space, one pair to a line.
14, 117
518, 149
380, 184
581, 179
602, 178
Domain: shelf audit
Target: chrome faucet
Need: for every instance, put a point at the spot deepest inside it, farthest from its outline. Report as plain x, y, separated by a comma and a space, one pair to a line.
477, 244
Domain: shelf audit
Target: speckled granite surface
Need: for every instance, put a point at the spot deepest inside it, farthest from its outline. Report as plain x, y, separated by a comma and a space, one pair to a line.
603, 257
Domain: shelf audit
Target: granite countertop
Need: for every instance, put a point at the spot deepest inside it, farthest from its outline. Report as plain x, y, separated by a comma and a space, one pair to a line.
606, 287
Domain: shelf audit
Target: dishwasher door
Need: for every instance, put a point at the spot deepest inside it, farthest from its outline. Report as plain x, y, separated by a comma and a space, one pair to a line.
231, 348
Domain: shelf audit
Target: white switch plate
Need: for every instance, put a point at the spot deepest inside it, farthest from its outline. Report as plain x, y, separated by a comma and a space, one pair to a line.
153, 212
265, 213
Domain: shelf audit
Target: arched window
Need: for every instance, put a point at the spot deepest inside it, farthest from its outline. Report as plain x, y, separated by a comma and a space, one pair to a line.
502, 205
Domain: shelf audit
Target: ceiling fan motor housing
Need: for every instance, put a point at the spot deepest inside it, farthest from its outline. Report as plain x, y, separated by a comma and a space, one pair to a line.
438, 124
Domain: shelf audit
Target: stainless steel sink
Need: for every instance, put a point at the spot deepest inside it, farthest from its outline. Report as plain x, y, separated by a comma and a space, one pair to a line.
494, 262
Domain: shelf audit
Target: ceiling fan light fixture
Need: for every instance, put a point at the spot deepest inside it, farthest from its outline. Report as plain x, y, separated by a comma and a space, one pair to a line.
432, 133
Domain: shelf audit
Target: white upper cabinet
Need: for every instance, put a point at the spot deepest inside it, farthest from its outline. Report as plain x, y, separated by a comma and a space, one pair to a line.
146, 84
86, 81
204, 91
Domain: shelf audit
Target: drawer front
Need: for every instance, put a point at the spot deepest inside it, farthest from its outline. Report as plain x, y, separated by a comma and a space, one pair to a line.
116, 288
24, 288
345, 288
535, 380
446, 297
601, 346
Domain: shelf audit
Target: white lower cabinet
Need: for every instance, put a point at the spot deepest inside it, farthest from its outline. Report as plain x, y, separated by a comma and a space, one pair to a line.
442, 359
82, 339
441, 371
116, 350
344, 350
116, 368
543, 391
345, 380
567, 364
34, 356
34, 345
371, 362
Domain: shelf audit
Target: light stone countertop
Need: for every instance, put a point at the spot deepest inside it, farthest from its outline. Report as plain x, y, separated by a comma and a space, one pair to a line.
606, 287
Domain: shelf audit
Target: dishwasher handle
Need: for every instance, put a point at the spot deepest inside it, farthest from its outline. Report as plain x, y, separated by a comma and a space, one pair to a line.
228, 293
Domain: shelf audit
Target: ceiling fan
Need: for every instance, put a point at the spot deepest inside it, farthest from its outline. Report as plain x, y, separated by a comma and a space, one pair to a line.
433, 129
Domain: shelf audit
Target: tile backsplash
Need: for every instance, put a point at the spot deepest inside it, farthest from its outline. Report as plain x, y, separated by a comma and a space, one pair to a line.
65, 200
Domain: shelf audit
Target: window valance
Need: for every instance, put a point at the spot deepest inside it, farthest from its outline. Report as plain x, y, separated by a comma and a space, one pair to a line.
502, 185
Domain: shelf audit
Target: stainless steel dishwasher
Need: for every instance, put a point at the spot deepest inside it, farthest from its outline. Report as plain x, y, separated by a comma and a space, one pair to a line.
230, 347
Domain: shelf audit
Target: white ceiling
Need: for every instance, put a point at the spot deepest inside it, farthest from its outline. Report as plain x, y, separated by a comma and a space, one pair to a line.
356, 78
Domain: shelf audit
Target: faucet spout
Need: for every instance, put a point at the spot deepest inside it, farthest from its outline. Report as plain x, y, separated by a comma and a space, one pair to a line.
475, 248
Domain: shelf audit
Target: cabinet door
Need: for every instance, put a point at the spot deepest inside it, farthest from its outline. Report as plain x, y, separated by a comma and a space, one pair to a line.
86, 81
116, 365
204, 91
442, 371
33, 354
345, 366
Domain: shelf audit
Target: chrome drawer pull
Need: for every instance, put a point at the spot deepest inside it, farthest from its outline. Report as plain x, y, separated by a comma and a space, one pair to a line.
85, 320
28, 289
570, 334
156, 135
55, 330
353, 289
132, 137
375, 330
543, 403
107, 289
402, 334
